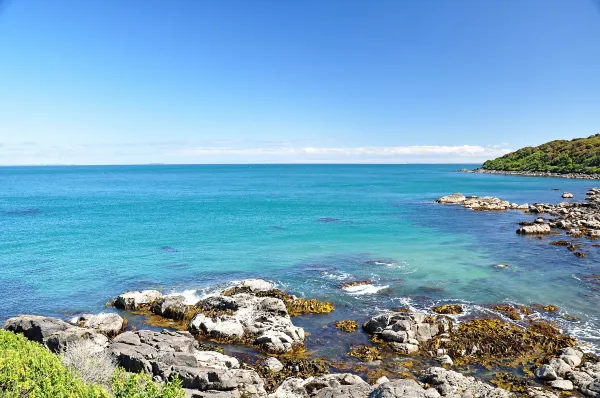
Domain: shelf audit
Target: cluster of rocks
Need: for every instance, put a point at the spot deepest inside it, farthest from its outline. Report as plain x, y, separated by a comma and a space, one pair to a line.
161, 354
241, 316
262, 320
56, 334
576, 218
568, 372
486, 203
407, 330
165, 354
535, 174
212, 374
436, 382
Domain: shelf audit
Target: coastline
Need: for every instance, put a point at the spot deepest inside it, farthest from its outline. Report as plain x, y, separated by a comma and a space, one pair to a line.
534, 174
402, 352
394, 352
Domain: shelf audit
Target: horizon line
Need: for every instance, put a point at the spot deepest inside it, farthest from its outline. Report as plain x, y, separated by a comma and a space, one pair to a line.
236, 164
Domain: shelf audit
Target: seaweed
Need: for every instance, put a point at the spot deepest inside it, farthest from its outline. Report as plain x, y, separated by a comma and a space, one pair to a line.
292, 367
365, 353
449, 309
301, 306
510, 382
510, 311
491, 342
346, 326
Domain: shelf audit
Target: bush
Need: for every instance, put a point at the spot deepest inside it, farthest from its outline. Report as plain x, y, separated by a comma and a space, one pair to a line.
28, 369
91, 366
131, 385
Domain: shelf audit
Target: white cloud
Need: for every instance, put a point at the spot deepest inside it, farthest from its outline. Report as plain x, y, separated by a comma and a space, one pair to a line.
418, 150
239, 152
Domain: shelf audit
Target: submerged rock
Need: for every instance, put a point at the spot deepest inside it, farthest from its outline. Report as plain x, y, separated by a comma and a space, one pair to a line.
346, 325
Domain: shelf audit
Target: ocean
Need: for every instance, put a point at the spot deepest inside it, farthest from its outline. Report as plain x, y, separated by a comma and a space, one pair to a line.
72, 238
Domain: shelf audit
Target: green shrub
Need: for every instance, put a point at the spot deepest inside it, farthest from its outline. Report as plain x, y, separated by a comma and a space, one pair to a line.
28, 369
131, 385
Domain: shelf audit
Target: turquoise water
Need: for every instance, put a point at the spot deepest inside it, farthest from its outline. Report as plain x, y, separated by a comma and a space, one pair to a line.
71, 238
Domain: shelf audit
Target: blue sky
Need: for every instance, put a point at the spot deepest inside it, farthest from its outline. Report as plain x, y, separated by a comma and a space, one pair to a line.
244, 81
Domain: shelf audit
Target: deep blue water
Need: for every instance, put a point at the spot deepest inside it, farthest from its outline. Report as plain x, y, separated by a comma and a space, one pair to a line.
71, 238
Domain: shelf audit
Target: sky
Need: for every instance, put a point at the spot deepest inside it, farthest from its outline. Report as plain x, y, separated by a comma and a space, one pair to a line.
289, 81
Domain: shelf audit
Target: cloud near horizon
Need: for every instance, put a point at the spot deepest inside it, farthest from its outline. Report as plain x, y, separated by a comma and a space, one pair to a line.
185, 153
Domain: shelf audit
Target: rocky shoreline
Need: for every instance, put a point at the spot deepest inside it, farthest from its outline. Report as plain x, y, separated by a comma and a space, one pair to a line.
534, 174
256, 314
577, 219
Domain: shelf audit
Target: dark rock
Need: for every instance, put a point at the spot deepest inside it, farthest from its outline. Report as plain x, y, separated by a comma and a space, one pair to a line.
35, 327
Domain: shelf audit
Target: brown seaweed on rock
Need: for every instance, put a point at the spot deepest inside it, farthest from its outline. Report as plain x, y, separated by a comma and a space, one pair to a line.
346, 325
513, 312
490, 342
365, 353
292, 367
295, 306
448, 309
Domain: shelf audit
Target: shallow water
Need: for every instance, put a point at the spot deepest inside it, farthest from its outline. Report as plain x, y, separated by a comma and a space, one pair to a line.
71, 238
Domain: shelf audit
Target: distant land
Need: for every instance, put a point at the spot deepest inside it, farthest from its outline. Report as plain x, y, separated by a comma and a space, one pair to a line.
579, 155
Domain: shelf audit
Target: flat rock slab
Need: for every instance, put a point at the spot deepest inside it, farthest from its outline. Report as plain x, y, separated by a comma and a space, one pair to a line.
165, 354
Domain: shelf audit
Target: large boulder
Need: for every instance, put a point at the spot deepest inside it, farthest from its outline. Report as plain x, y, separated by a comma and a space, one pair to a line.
412, 327
172, 307
59, 341
135, 300
35, 327
166, 354
326, 386
403, 388
109, 324
263, 321
450, 383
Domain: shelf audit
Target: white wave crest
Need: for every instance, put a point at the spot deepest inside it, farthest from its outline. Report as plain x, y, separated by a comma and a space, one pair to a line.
363, 289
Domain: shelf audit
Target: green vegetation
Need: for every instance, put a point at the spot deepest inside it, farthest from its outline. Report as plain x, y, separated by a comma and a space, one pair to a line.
28, 369
580, 155
130, 385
